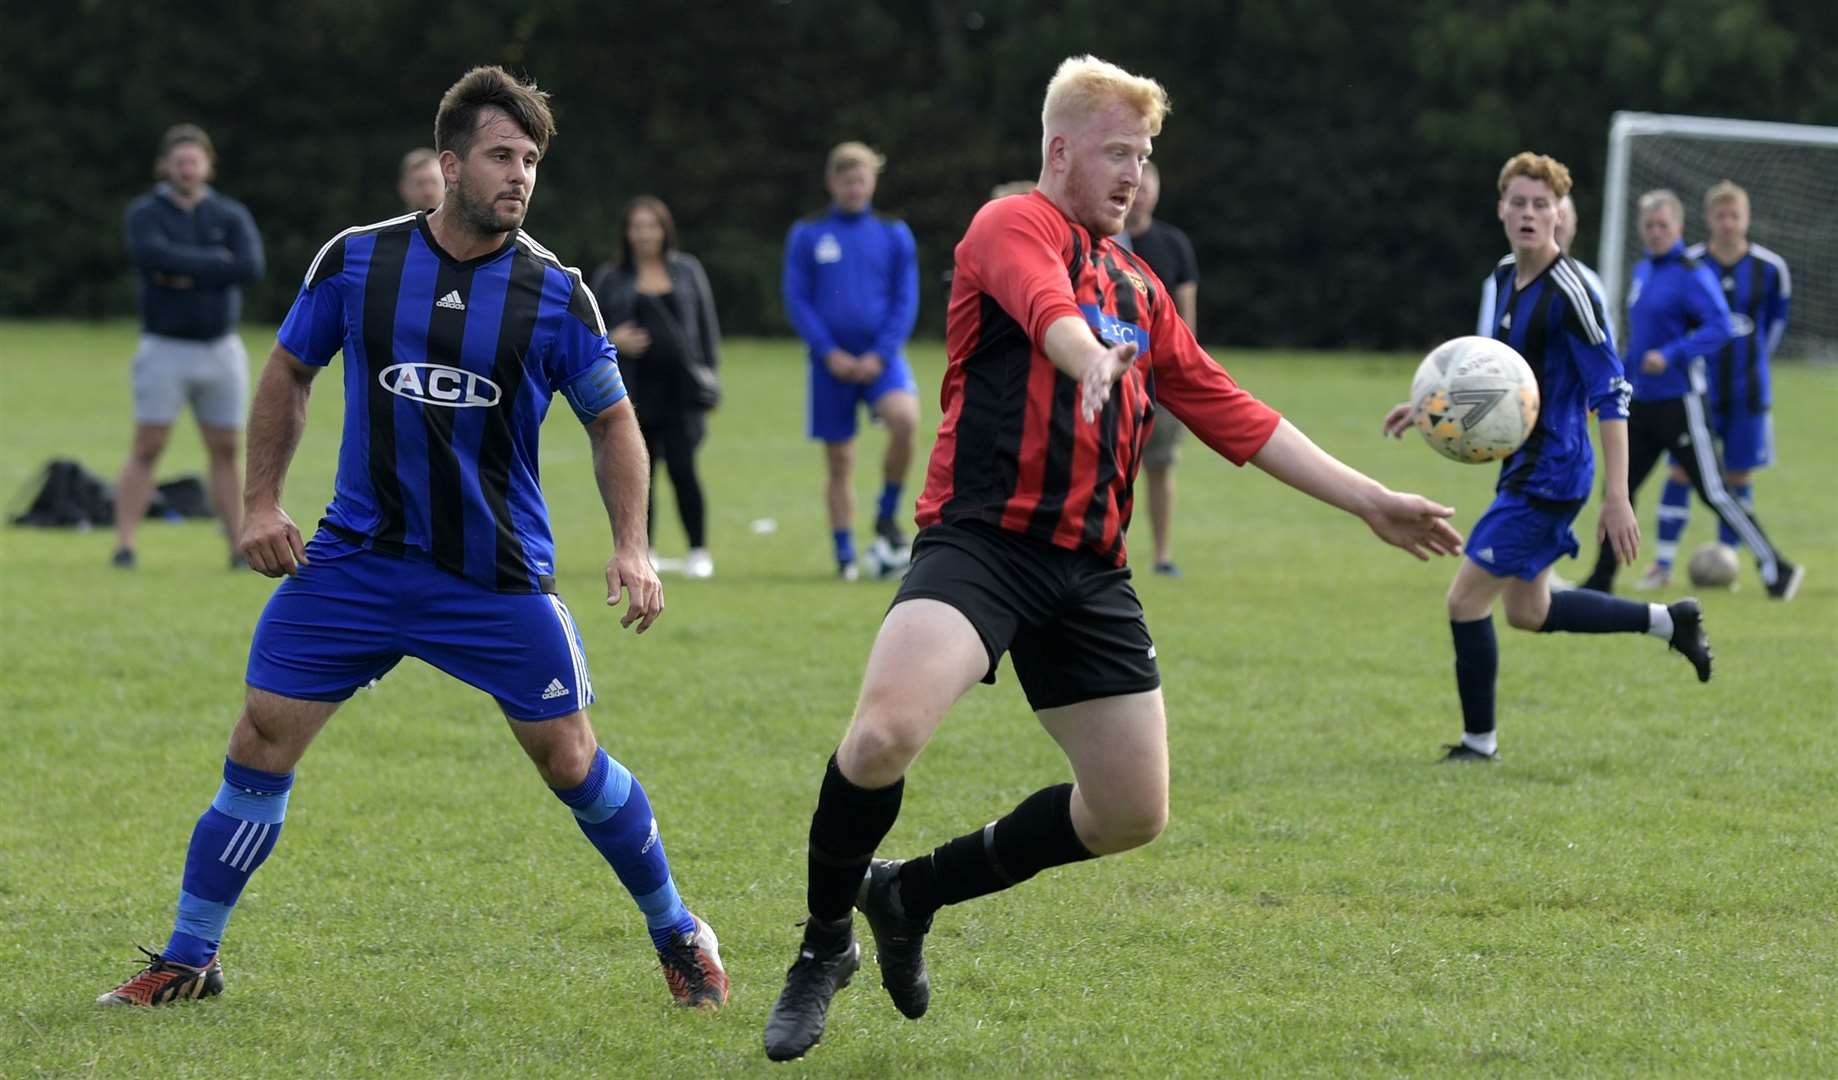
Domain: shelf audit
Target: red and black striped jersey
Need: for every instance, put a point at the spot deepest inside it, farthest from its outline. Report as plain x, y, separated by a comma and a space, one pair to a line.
1012, 449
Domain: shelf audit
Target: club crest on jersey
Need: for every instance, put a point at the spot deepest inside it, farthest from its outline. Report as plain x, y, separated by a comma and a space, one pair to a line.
1142, 287
437, 384
1114, 331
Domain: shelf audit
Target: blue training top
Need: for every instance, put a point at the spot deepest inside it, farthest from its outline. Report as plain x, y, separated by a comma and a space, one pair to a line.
1560, 326
851, 282
193, 263
1757, 288
1674, 306
449, 370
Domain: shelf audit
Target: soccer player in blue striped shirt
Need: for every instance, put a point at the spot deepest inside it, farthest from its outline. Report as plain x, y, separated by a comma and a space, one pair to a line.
1676, 316
457, 330
1757, 287
1546, 311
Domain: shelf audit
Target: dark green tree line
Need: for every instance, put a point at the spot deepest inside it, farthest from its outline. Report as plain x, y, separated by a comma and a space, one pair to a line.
1333, 162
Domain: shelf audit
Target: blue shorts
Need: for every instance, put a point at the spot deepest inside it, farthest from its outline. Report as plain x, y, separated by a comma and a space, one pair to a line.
833, 402
1745, 439
1520, 536
351, 615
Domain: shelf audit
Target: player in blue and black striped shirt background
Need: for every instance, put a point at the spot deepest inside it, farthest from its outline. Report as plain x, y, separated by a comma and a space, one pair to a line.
457, 330
1677, 316
1757, 287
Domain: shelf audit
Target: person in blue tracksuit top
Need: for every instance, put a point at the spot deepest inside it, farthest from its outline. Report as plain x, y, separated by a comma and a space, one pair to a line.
1758, 286
851, 286
1676, 316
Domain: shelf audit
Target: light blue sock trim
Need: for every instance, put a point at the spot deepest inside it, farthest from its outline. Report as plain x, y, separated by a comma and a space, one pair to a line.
245, 805
613, 793
663, 908
201, 918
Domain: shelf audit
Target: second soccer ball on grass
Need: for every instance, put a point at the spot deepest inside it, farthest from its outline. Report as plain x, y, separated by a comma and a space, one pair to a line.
1474, 399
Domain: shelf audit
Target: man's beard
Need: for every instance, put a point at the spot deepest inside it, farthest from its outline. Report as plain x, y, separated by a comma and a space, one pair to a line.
1081, 194
479, 217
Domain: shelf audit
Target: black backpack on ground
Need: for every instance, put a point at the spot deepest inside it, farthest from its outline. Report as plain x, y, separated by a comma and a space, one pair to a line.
66, 495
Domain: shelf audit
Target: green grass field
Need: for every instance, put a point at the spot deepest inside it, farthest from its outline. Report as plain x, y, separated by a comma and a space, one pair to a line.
1643, 885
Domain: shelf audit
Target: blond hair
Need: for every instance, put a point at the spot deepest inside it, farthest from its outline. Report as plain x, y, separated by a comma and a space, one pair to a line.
850, 155
1540, 167
1662, 197
1726, 191
1085, 84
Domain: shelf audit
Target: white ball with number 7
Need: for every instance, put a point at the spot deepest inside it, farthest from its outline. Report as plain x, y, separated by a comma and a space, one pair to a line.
1474, 399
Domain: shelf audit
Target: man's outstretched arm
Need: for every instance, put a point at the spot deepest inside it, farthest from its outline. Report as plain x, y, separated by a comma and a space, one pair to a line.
1411, 522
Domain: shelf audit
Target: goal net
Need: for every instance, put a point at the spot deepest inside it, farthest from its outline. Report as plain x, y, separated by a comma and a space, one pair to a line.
1791, 174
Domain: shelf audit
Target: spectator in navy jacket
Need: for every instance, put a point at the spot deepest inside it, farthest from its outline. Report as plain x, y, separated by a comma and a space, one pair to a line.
194, 250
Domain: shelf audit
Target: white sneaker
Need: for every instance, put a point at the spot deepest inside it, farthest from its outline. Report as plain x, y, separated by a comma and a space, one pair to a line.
699, 564
1656, 577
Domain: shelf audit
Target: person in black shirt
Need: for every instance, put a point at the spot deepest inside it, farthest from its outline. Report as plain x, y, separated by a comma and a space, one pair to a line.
662, 313
1170, 254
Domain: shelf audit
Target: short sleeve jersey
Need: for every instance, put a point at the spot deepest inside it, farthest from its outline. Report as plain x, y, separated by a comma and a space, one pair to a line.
1560, 326
1012, 449
449, 370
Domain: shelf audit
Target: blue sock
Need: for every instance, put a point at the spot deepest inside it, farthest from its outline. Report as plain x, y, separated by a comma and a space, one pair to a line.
1585, 611
1674, 515
611, 808
890, 501
1477, 663
231, 839
845, 546
1745, 494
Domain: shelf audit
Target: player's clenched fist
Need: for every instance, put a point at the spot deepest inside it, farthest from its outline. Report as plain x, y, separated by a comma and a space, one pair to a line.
271, 542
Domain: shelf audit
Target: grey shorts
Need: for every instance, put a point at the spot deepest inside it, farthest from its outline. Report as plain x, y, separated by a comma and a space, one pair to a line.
1161, 450
213, 376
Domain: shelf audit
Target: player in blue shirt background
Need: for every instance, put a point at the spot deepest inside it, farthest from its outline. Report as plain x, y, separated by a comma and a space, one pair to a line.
1757, 287
1676, 316
1546, 311
457, 329
851, 286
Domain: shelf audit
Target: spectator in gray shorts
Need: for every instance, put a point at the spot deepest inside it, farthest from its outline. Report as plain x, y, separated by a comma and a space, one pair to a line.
1170, 254
194, 249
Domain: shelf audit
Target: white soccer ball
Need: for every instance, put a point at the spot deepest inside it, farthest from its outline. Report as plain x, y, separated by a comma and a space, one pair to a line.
883, 560
1713, 566
1475, 399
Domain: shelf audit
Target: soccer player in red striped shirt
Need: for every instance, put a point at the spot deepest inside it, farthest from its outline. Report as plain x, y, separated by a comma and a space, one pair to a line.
1063, 349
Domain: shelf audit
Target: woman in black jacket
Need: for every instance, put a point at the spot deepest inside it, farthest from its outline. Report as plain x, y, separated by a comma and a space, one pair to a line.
656, 299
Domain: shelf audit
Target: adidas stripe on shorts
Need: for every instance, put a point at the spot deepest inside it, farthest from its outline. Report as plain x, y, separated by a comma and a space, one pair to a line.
350, 615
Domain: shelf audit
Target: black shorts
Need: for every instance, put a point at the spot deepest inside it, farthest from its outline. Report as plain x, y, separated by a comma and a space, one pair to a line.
1069, 620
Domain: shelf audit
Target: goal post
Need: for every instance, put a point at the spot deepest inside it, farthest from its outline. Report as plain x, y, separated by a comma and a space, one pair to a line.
1791, 174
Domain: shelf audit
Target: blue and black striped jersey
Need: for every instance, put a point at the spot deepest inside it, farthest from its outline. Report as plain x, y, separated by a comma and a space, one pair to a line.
449, 370
1757, 288
1560, 326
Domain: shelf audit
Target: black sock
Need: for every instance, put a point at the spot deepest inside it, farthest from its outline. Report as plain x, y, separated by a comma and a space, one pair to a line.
1034, 836
1584, 611
849, 823
1477, 662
